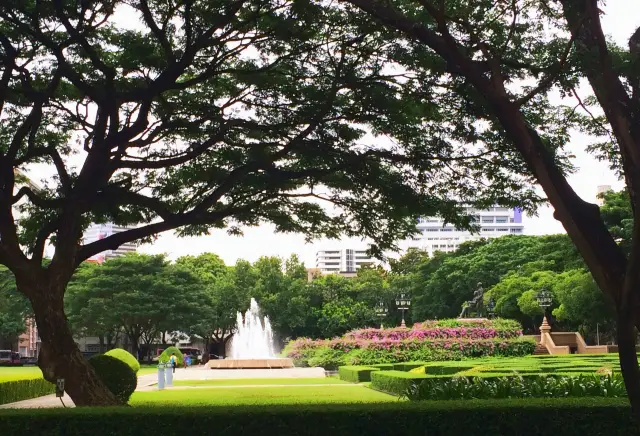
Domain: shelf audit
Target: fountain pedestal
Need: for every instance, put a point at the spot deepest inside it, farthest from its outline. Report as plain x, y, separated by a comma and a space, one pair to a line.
274, 363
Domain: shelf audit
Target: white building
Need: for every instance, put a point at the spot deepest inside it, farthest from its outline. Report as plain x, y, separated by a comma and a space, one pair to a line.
342, 260
100, 231
497, 221
601, 189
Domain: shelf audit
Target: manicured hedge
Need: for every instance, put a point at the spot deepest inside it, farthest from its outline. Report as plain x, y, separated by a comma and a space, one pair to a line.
513, 417
538, 386
382, 366
356, 374
19, 390
394, 382
407, 366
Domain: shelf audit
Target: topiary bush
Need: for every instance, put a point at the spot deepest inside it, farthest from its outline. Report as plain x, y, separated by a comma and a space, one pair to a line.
166, 354
126, 357
117, 375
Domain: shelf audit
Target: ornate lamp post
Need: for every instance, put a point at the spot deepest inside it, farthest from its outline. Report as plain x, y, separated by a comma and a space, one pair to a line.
381, 311
544, 299
491, 308
403, 303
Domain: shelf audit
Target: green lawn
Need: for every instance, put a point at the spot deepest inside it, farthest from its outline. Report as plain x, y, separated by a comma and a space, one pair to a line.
261, 381
261, 396
147, 369
12, 373
19, 373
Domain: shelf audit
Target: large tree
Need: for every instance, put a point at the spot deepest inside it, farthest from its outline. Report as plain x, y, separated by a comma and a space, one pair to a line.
142, 295
85, 309
188, 115
441, 285
494, 64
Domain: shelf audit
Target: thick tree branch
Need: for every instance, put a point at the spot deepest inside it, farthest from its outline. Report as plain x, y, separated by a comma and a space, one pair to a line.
43, 203
173, 222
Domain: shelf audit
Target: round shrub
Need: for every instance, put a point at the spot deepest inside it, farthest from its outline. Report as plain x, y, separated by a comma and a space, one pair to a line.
166, 354
126, 357
117, 375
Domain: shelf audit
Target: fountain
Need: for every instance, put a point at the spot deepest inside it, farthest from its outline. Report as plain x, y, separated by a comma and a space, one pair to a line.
252, 344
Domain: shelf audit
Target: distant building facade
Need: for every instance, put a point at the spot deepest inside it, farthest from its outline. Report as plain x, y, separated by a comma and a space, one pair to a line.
601, 190
29, 341
342, 261
95, 232
494, 222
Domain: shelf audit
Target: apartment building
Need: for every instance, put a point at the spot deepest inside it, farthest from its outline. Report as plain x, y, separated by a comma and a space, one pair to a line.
494, 222
342, 261
96, 232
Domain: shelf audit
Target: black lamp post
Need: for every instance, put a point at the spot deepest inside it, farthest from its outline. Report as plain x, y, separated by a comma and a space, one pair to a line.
403, 303
491, 307
381, 311
544, 299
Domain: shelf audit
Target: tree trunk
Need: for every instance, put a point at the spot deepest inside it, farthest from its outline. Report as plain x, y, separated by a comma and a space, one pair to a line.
629, 362
102, 346
59, 355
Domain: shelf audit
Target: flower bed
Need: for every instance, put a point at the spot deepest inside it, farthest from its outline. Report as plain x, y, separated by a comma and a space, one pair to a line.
432, 333
423, 344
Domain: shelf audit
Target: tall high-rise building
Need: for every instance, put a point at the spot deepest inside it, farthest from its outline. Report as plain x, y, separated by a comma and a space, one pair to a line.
342, 260
494, 222
96, 232
601, 189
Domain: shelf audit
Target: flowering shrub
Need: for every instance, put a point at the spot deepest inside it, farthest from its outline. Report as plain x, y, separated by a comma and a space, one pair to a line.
368, 352
449, 339
426, 333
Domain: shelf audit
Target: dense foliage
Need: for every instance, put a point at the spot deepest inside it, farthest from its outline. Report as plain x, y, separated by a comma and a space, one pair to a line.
116, 375
14, 310
138, 295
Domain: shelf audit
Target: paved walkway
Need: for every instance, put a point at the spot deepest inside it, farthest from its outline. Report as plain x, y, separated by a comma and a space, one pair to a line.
147, 383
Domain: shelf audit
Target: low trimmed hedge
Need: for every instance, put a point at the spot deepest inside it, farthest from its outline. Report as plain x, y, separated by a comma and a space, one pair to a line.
566, 417
407, 366
356, 374
394, 382
19, 390
538, 386
382, 366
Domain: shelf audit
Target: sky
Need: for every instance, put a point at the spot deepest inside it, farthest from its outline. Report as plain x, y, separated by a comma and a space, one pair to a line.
619, 21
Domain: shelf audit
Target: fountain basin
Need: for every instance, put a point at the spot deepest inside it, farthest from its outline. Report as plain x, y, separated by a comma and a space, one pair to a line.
270, 363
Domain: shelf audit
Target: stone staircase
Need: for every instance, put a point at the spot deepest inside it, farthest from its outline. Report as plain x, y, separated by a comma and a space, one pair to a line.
540, 350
